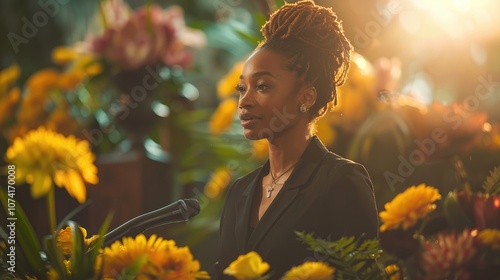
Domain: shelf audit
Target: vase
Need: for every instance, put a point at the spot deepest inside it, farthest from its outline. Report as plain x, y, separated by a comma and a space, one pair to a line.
140, 106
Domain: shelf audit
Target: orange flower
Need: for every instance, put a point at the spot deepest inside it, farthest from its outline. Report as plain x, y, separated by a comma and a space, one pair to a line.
408, 207
42, 82
65, 239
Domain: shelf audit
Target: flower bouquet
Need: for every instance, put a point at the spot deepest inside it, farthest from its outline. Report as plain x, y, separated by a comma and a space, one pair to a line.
44, 159
460, 242
144, 53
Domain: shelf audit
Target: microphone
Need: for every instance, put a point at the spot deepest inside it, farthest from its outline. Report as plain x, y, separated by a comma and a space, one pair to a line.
179, 211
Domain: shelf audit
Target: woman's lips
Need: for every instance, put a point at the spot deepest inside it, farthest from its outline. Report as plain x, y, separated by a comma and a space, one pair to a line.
248, 120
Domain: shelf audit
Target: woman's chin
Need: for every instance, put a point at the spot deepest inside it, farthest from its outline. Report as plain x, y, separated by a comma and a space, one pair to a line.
250, 134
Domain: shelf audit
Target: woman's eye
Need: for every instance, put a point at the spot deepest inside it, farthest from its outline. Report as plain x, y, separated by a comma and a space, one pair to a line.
262, 87
240, 88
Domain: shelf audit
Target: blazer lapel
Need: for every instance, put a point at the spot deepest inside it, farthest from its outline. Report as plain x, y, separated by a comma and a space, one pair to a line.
243, 212
306, 167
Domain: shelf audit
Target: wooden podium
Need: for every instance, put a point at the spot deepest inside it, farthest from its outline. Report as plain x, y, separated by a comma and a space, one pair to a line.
130, 184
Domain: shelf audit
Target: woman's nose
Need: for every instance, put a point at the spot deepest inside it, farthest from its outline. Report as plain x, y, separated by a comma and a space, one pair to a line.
246, 100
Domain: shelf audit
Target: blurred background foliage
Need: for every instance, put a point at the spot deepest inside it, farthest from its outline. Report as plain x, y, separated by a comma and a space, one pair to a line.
419, 66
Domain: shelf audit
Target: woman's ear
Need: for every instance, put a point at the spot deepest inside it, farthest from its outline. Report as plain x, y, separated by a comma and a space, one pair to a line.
309, 96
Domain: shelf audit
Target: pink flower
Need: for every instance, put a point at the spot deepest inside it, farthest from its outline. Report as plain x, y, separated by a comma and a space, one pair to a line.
150, 35
448, 256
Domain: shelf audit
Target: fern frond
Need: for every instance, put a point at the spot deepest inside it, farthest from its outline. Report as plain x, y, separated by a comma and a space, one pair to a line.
492, 183
352, 258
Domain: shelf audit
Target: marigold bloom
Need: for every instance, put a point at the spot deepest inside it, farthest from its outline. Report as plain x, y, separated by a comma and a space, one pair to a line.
310, 271
490, 237
390, 269
218, 182
246, 267
7, 103
164, 260
408, 207
8, 76
225, 87
223, 116
44, 157
42, 82
64, 55
65, 239
70, 80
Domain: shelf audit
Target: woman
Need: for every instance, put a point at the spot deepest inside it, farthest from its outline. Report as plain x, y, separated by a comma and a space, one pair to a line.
286, 85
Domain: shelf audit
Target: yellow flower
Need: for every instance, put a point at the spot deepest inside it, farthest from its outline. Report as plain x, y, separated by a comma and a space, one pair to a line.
7, 77
408, 207
218, 182
70, 80
7, 103
225, 87
393, 269
64, 55
490, 237
260, 149
310, 271
223, 116
65, 239
164, 260
87, 65
246, 267
42, 82
43, 157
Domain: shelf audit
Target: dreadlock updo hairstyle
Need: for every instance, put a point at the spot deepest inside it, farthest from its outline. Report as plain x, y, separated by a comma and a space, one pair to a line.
316, 48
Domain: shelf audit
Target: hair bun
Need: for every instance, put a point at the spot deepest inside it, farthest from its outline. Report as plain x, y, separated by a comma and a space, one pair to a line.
306, 22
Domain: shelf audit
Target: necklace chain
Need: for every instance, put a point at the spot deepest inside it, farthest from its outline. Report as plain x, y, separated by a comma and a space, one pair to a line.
270, 189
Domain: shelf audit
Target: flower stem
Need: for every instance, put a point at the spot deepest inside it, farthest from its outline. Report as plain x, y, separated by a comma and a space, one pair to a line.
461, 173
103, 15
51, 205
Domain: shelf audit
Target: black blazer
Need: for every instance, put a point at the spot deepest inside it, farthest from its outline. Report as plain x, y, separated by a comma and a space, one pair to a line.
326, 195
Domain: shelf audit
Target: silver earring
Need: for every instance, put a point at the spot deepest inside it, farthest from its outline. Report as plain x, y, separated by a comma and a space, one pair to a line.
303, 108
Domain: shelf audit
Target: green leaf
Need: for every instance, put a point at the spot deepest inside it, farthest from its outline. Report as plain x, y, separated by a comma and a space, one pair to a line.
455, 215
132, 270
352, 258
55, 256
26, 237
78, 270
93, 251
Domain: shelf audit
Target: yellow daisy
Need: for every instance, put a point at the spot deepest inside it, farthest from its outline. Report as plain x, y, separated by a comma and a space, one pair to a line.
490, 237
225, 87
64, 55
223, 116
408, 207
247, 267
310, 271
8, 76
390, 269
218, 182
164, 260
65, 239
44, 157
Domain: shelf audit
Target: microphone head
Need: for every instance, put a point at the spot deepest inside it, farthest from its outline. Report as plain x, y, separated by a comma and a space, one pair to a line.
193, 207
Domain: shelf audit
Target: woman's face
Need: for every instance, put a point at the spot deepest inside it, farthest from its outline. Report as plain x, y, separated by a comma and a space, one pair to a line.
269, 100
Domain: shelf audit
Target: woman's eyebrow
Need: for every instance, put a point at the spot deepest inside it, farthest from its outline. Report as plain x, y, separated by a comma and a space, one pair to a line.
260, 74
